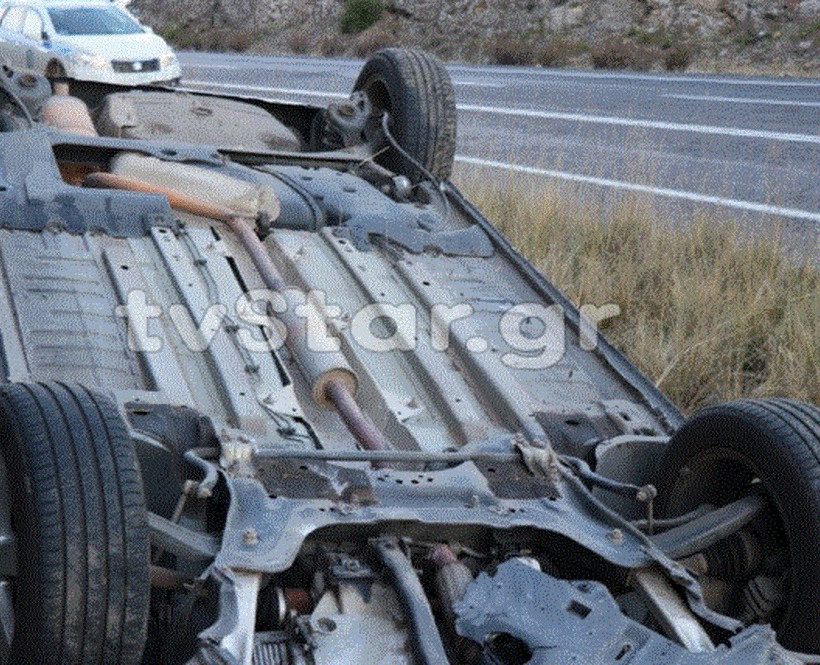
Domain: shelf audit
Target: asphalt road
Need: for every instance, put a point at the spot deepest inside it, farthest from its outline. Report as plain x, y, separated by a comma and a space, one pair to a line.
749, 148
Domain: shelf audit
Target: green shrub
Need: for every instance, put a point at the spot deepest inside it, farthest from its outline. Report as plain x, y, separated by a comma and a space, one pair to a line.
359, 15
747, 38
677, 58
661, 38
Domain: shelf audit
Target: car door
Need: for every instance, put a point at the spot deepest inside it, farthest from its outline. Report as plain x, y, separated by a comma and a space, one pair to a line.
11, 24
34, 51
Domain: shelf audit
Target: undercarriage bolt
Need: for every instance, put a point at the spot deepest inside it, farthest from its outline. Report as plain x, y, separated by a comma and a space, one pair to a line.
616, 537
250, 537
647, 493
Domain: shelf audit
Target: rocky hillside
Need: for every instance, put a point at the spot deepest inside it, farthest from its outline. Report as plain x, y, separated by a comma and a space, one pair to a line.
777, 36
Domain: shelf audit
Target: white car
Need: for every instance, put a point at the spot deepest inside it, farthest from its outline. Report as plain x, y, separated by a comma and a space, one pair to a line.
89, 40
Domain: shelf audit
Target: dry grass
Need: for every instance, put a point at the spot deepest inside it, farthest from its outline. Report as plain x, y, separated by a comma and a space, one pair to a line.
183, 36
551, 51
707, 313
791, 69
511, 51
559, 51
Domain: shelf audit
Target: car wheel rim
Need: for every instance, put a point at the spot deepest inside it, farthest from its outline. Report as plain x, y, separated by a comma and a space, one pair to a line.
732, 466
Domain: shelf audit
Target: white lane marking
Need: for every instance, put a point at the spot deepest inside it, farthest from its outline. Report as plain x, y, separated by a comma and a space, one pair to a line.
302, 91
479, 84
194, 65
557, 115
536, 72
748, 206
742, 100
668, 78
646, 124
194, 57
261, 88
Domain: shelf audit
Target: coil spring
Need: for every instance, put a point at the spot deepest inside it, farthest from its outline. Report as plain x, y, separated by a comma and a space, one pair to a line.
272, 649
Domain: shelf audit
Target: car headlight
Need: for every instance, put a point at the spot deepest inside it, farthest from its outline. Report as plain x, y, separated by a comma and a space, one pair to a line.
90, 60
168, 60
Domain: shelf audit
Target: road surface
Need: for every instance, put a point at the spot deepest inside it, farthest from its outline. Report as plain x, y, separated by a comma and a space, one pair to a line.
744, 147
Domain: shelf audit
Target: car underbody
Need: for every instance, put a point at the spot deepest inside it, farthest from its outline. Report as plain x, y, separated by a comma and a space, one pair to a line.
418, 451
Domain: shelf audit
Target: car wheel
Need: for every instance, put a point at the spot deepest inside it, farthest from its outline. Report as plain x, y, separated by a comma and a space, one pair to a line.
416, 91
773, 447
80, 586
55, 71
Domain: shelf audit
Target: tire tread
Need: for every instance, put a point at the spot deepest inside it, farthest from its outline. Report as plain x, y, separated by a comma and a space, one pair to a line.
88, 526
780, 439
425, 123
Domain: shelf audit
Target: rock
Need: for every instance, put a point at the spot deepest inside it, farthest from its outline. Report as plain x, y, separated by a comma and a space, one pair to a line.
565, 17
466, 29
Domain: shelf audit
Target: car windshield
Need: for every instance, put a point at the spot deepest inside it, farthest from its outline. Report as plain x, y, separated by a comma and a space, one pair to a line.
73, 21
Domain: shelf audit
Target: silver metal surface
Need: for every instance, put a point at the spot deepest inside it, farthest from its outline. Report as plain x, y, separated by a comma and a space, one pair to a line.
239, 642
671, 612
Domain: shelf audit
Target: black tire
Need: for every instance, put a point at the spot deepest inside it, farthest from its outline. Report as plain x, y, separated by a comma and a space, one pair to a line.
82, 588
715, 456
415, 89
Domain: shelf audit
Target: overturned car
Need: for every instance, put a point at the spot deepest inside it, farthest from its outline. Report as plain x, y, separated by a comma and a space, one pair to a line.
274, 393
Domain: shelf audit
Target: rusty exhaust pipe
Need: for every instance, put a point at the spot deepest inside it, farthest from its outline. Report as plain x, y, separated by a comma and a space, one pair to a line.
333, 386
358, 423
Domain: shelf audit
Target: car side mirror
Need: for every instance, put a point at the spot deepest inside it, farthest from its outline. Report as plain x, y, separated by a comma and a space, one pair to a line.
45, 36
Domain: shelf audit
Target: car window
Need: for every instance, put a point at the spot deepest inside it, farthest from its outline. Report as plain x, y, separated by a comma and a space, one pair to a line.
73, 21
13, 19
33, 25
